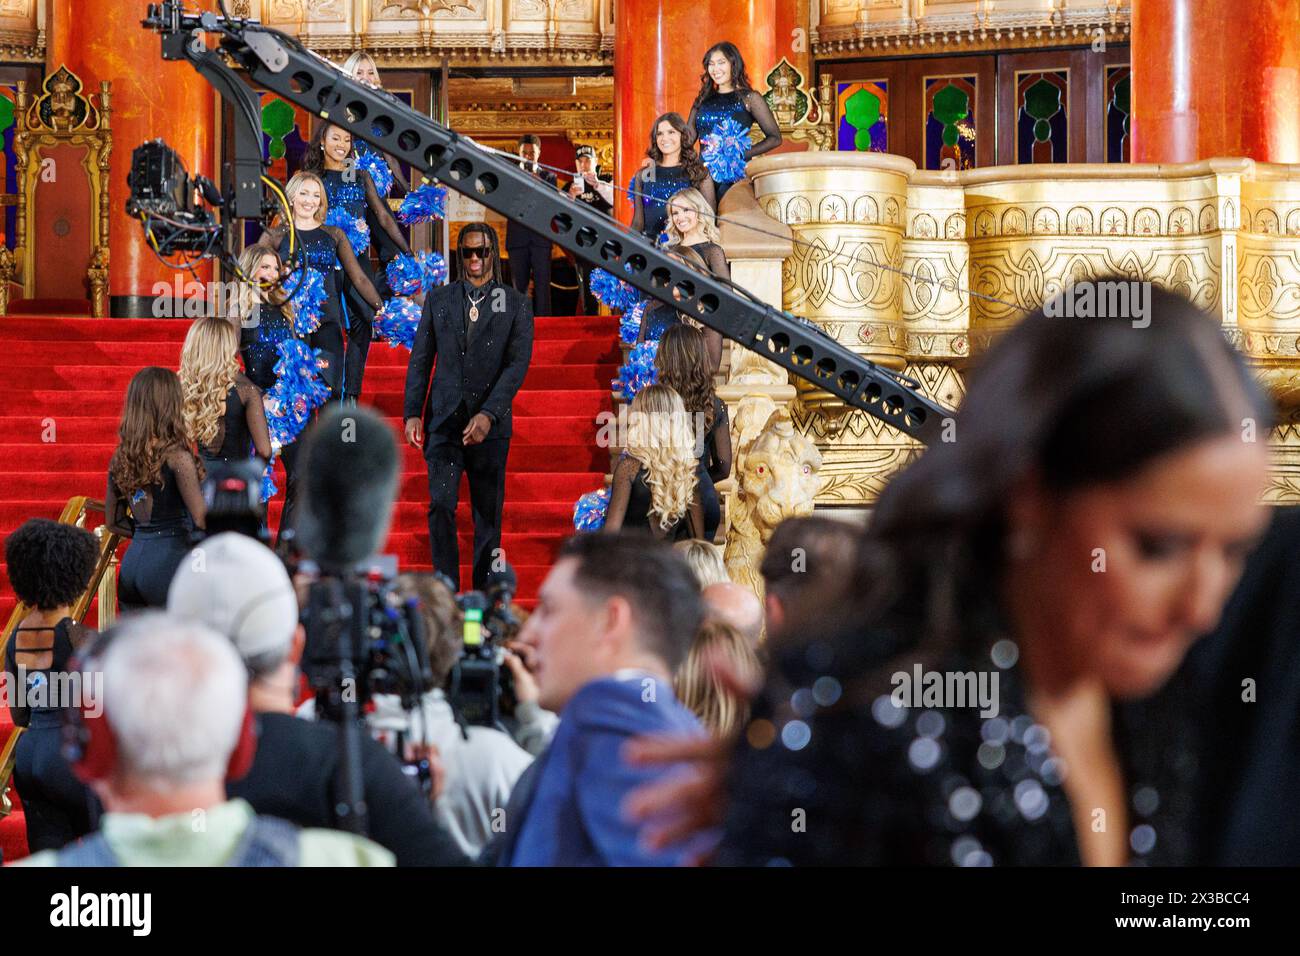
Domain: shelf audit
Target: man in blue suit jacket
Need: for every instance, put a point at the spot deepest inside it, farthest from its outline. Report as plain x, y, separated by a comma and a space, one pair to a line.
614, 618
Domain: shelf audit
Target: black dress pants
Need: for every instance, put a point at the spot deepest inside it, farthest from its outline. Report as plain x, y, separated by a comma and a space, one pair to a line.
329, 339
533, 259
485, 464
361, 327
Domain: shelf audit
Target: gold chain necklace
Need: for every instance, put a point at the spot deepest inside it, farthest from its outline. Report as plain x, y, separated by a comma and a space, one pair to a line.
473, 306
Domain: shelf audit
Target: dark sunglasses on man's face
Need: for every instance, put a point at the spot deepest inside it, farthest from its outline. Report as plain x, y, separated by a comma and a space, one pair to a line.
475, 252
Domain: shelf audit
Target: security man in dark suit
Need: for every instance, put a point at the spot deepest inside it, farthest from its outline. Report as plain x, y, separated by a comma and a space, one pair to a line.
530, 252
596, 191
481, 333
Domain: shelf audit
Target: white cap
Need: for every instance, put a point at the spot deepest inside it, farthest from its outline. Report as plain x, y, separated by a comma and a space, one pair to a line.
239, 588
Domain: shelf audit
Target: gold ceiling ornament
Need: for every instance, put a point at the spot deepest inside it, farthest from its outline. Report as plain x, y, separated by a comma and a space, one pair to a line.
849, 28
921, 269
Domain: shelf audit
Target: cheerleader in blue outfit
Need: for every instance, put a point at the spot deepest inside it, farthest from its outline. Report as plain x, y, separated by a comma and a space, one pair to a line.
671, 165
327, 250
350, 194
727, 105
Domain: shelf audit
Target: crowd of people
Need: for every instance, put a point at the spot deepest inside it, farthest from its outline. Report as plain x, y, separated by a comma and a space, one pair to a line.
1097, 513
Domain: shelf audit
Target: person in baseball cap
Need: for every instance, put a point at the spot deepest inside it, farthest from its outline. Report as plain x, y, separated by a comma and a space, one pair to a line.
598, 193
239, 588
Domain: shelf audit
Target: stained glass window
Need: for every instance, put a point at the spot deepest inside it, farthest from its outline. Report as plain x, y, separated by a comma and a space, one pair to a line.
863, 109
1042, 117
950, 122
1117, 114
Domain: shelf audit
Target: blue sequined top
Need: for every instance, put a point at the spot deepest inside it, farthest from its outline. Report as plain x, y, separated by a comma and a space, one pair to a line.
654, 195
718, 107
260, 342
347, 196
316, 247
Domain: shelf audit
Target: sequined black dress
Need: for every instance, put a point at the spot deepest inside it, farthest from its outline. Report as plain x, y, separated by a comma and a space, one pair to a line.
745, 107
651, 190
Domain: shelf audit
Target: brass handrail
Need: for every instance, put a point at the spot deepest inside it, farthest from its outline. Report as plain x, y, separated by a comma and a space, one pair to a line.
8, 754
102, 582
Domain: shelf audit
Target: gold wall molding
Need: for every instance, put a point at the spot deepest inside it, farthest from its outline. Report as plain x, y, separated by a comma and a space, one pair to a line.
848, 28
969, 253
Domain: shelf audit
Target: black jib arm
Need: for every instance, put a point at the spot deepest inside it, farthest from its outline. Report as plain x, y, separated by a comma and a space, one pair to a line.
283, 65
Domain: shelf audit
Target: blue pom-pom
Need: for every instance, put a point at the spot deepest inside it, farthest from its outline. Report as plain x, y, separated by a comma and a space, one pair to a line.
405, 277
298, 391
612, 291
397, 322
434, 267
632, 190
637, 372
354, 228
377, 166
723, 151
629, 326
423, 204
269, 490
589, 510
308, 299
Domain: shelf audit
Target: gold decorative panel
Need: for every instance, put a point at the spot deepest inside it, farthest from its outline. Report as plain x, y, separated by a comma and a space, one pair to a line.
848, 27
965, 255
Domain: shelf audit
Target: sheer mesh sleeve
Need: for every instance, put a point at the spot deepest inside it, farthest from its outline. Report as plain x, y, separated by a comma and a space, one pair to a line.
395, 168
356, 275
272, 236
112, 504
695, 514
705, 186
716, 260
638, 207
621, 491
379, 206
762, 114
255, 415
719, 442
186, 470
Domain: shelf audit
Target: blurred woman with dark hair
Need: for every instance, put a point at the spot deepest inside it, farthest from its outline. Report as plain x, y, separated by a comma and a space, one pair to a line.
50, 565
154, 495
1018, 594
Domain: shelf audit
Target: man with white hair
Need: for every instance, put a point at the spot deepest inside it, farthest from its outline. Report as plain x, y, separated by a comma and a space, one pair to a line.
173, 716
239, 588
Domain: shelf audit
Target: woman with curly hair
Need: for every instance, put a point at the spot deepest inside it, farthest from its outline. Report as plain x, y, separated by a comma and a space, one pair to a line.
222, 407
684, 365
154, 496
727, 95
655, 487
671, 165
50, 565
317, 245
351, 196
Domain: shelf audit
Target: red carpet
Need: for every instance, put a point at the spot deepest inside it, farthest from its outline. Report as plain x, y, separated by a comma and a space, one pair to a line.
65, 380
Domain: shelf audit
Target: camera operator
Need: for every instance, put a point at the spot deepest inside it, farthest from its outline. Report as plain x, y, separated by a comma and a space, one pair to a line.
481, 763
239, 588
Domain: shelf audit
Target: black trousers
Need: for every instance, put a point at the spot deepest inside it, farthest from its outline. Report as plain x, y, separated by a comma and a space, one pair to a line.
329, 339
485, 464
361, 327
57, 805
533, 259
292, 475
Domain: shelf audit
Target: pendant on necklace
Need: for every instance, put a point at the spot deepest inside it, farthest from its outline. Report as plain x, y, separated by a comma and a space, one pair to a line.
473, 313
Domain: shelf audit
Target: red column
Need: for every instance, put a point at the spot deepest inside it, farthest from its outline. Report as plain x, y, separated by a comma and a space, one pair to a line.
151, 98
1216, 78
658, 48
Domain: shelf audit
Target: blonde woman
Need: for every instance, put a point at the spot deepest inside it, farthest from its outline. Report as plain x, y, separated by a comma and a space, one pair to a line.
705, 561
692, 225
720, 710
360, 65
325, 249
655, 486
221, 407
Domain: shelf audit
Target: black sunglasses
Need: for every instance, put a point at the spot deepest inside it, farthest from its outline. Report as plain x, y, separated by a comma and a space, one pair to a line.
475, 252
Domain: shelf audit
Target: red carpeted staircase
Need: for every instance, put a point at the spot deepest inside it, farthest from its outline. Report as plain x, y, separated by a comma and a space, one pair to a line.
61, 395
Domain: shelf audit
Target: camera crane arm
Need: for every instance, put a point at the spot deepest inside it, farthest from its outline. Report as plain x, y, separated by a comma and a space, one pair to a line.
283, 65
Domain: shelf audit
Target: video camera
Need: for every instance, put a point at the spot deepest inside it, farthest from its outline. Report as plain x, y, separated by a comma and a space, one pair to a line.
167, 200
481, 687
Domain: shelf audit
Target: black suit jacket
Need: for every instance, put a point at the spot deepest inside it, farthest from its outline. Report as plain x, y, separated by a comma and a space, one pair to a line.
519, 235
486, 375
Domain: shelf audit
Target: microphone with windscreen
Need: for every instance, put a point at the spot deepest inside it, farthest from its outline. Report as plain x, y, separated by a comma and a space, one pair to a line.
349, 483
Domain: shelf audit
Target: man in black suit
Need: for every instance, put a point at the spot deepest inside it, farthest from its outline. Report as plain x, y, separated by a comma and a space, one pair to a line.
530, 253
481, 332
